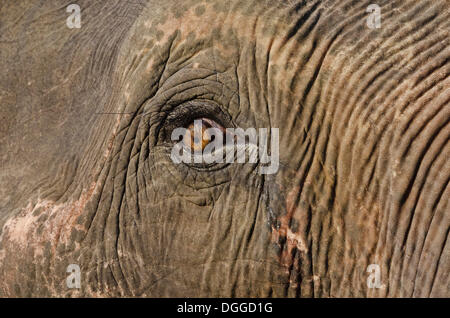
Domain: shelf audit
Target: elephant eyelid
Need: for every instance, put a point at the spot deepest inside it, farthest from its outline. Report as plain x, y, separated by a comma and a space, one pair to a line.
195, 109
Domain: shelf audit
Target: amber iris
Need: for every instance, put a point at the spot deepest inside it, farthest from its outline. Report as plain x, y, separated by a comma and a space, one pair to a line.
196, 135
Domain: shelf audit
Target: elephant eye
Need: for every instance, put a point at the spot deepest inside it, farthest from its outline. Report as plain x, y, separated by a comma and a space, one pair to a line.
197, 136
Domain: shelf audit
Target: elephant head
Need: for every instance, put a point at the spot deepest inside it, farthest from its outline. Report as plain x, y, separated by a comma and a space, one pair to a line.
359, 104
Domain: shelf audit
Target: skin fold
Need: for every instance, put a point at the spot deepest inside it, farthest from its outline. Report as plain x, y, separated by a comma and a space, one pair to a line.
86, 176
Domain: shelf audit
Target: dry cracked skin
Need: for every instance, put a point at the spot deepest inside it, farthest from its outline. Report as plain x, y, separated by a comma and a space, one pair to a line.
86, 176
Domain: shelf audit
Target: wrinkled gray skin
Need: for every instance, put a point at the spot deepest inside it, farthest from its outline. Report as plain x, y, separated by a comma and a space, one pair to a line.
86, 176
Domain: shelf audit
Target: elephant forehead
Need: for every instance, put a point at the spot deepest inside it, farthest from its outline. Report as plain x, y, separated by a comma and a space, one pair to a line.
257, 40
202, 18
194, 25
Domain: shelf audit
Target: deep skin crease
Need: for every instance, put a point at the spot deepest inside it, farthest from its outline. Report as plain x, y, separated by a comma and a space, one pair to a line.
87, 179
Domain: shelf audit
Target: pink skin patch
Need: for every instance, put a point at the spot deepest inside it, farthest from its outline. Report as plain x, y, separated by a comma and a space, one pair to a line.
293, 239
22, 230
